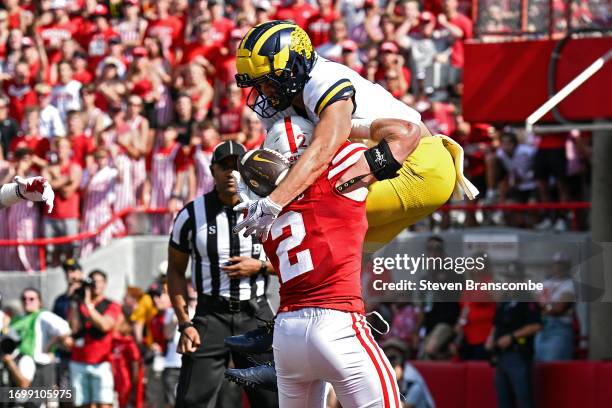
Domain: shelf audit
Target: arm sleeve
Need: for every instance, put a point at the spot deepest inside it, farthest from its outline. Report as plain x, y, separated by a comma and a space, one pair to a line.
180, 237
55, 325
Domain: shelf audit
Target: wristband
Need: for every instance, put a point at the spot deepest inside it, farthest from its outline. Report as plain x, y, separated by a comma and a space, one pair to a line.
184, 325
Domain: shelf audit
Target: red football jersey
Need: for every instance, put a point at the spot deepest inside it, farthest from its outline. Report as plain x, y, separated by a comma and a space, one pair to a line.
316, 243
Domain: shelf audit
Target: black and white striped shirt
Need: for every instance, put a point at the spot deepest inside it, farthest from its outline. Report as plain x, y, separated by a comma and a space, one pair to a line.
203, 228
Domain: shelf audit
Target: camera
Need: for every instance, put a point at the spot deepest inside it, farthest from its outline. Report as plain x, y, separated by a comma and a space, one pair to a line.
79, 294
8, 344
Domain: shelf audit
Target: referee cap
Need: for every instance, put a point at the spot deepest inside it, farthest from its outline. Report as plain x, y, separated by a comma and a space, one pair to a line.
227, 149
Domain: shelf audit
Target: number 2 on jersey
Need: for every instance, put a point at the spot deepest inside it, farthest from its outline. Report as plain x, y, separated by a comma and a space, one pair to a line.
295, 222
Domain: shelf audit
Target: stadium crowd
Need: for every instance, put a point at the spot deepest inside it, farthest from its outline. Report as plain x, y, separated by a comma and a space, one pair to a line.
120, 103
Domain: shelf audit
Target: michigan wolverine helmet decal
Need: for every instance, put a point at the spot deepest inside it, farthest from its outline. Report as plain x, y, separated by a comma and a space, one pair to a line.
274, 58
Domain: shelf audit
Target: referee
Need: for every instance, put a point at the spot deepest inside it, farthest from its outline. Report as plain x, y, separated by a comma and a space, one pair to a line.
230, 275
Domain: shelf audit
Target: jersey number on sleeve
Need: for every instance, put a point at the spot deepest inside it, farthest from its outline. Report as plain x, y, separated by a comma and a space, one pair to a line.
295, 222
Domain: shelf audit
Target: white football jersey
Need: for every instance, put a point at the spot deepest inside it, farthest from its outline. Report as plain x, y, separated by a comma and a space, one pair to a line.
330, 81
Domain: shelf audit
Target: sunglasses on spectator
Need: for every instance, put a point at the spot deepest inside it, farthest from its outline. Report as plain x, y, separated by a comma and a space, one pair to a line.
28, 298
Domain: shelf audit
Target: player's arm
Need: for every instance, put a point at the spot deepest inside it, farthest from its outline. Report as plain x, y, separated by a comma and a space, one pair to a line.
332, 130
400, 136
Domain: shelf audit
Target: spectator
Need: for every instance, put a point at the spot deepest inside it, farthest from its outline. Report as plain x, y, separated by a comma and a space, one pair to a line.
8, 128
82, 145
184, 120
80, 70
51, 121
127, 366
298, 11
23, 258
31, 139
514, 176
97, 191
96, 120
392, 73
132, 26
143, 141
96, 40
66, 94
476, 319
440, 314
172, 362
230, 114
556, 339
350, 57
65, 177
551, 164
120, 140
332, 49
40, 331
19, 91
204, 141
511, 342
92, 319
458, 28
167, 165
318, 25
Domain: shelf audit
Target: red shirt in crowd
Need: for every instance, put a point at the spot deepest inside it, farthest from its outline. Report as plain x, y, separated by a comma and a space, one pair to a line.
125, 353
169, 31
220, 30
91, 349
20, 97
38, 144
318, 26
81, 147
457, 52
300, 14
550, 141
66, 207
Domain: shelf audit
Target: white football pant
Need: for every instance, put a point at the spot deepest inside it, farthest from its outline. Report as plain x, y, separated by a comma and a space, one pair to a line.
313, 346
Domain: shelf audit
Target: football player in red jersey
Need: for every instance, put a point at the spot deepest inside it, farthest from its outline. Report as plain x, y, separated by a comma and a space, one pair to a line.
315, 245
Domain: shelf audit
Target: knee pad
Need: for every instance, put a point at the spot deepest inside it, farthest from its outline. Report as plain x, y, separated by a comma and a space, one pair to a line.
381, 161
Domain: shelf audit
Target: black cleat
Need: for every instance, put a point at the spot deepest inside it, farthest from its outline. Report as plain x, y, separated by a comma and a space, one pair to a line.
256, 341
261, 376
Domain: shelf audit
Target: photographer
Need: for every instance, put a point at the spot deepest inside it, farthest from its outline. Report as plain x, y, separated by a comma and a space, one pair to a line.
16, 368
92, 319
61, 307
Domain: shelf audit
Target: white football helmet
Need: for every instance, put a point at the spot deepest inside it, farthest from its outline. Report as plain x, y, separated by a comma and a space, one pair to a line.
290, 136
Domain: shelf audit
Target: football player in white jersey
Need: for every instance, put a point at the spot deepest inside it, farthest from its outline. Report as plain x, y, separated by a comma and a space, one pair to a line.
276, 59
32, 189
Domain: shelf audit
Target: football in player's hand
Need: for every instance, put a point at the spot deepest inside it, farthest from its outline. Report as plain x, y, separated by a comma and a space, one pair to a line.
262, 170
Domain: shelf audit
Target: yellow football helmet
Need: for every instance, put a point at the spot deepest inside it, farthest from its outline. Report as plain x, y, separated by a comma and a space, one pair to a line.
278, 56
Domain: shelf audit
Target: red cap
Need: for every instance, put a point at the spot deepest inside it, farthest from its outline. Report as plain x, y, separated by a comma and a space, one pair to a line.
140, 52
389, 46
100, 10
349, 45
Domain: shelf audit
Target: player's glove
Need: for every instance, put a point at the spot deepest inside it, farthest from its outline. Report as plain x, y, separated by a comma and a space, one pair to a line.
261, 213
35, 189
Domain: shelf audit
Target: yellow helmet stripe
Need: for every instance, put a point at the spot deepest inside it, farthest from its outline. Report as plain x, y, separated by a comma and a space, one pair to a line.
333, 90
262, 40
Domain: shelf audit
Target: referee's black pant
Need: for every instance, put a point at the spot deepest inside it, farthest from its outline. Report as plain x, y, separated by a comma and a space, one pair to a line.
202, 372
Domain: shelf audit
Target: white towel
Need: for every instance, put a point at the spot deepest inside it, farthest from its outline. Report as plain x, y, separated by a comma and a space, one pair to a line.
462, 185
